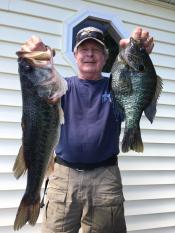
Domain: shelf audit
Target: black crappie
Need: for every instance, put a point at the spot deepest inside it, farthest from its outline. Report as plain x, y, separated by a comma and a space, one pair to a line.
40, 126
135, 88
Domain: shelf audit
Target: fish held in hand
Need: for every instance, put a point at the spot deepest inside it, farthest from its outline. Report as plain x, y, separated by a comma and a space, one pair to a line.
40, 126
135, 87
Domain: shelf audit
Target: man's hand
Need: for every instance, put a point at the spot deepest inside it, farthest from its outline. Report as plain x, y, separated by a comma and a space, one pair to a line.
33, 44
139, 33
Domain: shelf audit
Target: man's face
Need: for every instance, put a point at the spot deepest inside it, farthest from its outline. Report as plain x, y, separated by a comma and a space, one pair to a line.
90, 58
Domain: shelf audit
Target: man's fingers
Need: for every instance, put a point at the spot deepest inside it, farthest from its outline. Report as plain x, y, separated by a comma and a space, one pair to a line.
33, 44
137, 33
25, 48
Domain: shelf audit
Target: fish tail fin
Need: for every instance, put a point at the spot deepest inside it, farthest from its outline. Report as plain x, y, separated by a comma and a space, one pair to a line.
132, 140
27, 213
19, 167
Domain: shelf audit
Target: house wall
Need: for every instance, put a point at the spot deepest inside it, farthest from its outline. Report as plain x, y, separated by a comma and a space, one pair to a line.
148, 178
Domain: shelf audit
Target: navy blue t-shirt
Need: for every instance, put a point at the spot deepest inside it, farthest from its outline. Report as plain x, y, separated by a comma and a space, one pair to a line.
91, 132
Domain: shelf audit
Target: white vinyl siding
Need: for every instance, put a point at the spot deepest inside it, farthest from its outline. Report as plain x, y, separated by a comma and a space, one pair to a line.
148, 178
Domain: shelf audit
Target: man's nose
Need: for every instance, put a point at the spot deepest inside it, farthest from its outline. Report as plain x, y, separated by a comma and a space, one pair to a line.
90, 52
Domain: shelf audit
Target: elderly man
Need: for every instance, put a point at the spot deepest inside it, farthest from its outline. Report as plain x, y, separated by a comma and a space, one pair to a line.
85, 189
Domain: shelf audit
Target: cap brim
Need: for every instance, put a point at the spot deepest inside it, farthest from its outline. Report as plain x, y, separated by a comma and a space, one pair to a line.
89, 38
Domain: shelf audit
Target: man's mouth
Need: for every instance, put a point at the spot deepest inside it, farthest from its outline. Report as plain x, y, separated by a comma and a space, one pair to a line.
90, 62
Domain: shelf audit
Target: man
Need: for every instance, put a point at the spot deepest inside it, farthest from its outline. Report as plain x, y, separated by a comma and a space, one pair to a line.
85, 189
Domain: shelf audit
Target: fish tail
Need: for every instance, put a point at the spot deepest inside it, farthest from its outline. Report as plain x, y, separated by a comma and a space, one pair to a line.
19, 167
27, 213
132, 140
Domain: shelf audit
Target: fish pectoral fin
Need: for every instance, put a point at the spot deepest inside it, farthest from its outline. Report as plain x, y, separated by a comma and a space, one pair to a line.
19, 167
150, 111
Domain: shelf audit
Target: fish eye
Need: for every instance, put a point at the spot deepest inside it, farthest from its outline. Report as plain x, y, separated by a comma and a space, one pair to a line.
141, 68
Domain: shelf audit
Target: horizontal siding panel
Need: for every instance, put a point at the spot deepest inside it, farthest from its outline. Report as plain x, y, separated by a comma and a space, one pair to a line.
150, 221
11, 199
146, 177
9, 81
8, 55
165, 111
138, 7
126, 163
159, 123
6, 164
31, 23
21, 35
156, 136
9, 146
163, 47
161, 36
11, 65
165, 72
13, 114
9, 49
10, 114
5, 5
10, 130
156, 230
12, 97
149, 206
167, 98
154, 149
39, 10
10, 215
146, 163
13, 130
141, 192
132, 17
25, 229
169, 85
130, 178
163, 60
8, 181
61, 4
8, 65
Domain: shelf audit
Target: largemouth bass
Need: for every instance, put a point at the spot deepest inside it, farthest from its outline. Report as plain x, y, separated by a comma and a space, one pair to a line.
40, 125
135, 87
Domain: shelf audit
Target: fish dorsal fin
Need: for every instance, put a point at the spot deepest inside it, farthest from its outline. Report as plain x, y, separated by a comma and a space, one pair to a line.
150, 111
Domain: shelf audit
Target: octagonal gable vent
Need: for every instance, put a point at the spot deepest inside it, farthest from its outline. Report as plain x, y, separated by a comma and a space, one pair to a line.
111, 26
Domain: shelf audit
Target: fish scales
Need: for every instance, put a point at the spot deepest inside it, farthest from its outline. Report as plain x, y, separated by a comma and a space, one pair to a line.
41, 129
135, 88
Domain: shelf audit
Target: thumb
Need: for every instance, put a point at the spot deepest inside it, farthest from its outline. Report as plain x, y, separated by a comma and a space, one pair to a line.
123, 43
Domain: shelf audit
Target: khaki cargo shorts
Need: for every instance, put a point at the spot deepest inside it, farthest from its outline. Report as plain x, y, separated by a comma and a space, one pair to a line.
91, 200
